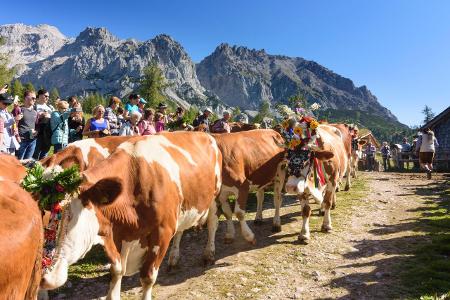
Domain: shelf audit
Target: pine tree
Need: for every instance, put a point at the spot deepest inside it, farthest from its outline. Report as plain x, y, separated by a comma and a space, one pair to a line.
298, 98
264, 112
6, 73
29, 87
17, 88
153, 85
428, 113
91, 101
54, 94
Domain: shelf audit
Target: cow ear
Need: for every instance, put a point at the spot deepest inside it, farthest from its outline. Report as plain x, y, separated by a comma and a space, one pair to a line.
103, 192
324, 155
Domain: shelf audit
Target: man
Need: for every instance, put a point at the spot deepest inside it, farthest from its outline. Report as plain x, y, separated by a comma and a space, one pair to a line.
203, 119
131, 106
141, 105
8, 142
386, 154
406, 152
44, 110
27, 127
162, 107
370, 156
222, 126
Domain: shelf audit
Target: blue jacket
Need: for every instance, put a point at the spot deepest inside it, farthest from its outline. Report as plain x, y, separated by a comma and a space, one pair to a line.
60, 127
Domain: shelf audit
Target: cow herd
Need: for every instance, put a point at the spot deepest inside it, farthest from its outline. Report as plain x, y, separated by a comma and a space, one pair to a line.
140, 193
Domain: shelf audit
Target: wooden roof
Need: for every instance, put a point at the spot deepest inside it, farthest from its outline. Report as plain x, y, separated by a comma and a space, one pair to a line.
436, 120
367, 135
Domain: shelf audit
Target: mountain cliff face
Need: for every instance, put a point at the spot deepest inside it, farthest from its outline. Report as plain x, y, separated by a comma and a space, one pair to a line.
244, 77
97, 61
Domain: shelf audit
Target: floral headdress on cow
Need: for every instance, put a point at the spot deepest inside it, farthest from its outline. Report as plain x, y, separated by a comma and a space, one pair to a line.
300, 134
51, 187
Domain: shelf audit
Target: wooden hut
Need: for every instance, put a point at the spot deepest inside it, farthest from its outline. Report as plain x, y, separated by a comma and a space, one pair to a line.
441, 127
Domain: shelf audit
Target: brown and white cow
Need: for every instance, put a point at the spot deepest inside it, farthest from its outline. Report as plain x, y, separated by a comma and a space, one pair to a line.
331, 151
137, 199
11, 168
346, 137
252, 160
21, 239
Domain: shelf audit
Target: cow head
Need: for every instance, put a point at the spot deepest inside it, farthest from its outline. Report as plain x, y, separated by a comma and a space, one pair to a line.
300, 166
81, 227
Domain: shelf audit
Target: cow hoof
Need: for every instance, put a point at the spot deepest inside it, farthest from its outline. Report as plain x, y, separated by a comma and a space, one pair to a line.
208, 259
321, 213
333, 206
303, 239
258, 222
326, 228
276, 228
347, 188
253, 242
228, 240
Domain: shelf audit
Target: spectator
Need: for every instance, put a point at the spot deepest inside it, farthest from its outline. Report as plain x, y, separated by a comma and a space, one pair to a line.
97, 126
159, 122
406, 152
179, 114
120, 118
15, 112
72, 100
44, 136
203, 119
222, 126
76, 123
130, 127
386, 155
110, 115
131, 106
370, 156
60, 127
141, 105
426, 146
27, 127
162, 107
8, 141
147, 124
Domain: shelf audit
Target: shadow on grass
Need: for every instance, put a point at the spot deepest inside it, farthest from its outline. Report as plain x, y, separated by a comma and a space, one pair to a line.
421, 262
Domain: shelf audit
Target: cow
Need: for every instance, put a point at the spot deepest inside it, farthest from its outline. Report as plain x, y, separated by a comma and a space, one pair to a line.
234, 127
346, 137
149, 189
11, 168
331, 151
252, 161
21, 239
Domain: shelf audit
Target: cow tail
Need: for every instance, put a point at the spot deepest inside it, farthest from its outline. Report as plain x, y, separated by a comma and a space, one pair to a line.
35, 278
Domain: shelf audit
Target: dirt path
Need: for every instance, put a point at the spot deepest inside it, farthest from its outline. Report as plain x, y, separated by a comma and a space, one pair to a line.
360, 259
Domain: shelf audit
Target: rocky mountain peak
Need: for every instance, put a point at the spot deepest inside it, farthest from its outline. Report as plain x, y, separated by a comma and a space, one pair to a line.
92, 35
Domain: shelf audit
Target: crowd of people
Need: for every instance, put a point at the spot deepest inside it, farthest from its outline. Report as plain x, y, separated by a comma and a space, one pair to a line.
30, 129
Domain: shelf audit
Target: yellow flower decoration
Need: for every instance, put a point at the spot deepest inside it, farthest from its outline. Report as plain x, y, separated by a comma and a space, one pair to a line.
294, 143
314, 124
298, 131
285, 124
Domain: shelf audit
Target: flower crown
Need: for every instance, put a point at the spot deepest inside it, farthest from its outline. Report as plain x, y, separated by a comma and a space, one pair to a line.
51, 187
300, 135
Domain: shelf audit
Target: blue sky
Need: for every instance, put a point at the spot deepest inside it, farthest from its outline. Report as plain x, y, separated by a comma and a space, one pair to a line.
399, 49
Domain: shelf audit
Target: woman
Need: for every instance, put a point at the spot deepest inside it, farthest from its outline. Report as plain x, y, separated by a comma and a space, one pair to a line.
59, 126
130, 127
427, 144
97, 126
147, 125
76, 124
110, 115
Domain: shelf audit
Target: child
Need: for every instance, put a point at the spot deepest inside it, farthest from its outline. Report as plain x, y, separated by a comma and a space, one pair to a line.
120, 116
159, 121
147, 124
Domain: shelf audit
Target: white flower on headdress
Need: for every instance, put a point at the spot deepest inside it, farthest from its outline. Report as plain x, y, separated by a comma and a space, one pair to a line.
315, 106
51, 172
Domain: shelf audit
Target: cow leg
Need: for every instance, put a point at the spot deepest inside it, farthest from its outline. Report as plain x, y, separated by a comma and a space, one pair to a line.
158, 244
213, 221
239, 211
348, 183
329, 198
229, 235
259, 206
174, 255
116, 281
277, 198
306, 213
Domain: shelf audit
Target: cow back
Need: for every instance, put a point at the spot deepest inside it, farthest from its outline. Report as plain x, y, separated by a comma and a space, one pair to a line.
21, 239
11, 168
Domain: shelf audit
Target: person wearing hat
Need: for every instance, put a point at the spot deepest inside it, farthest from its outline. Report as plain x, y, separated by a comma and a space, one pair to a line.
131, 106
203, 119
8, 141
162, 110
141, 105
222, 126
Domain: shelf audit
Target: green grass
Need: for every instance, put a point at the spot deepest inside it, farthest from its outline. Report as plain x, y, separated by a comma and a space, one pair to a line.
428, 273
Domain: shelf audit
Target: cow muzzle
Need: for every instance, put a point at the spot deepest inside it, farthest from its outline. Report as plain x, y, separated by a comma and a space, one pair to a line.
295, 185
56, 277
